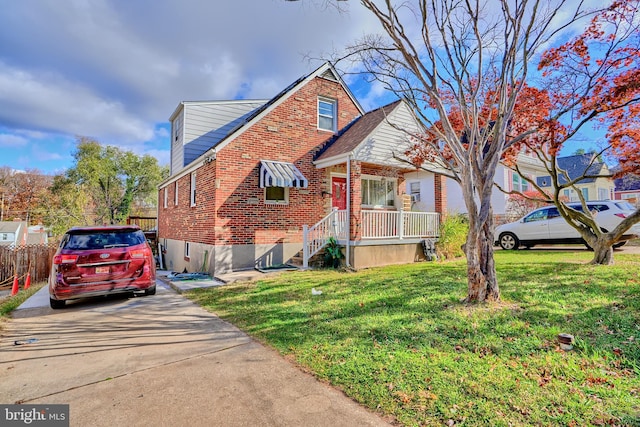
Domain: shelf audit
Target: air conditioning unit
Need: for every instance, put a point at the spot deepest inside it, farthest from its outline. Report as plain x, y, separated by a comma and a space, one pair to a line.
415, 198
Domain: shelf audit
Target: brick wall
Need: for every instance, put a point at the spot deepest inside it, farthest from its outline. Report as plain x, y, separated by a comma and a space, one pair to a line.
230, 207
440, 193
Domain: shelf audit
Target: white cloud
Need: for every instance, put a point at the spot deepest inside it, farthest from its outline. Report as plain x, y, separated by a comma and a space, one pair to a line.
11, 140
116, 70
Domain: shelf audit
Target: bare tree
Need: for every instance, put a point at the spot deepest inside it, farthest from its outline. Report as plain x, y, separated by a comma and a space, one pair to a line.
592, 77
461, 66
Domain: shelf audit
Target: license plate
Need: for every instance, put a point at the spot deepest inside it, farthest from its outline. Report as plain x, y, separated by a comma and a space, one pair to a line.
101, 270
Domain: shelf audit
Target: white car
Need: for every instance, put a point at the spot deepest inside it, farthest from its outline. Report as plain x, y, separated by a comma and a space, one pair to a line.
546, 225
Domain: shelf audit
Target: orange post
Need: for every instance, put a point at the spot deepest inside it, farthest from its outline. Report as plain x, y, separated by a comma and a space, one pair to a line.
27, 281
14, 290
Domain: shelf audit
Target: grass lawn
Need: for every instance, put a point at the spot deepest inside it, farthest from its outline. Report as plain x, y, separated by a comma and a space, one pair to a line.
398, 340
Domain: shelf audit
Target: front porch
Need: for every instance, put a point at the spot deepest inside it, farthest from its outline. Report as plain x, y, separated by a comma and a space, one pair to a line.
377, 237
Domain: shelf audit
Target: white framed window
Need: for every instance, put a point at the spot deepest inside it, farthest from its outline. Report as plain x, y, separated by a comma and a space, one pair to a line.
187, 250
5, 236
585, 193
603, 193
166, 195
518, 183
175, 194
378, 192
276, 195
327, 109
414, 191
193, 189
177, 127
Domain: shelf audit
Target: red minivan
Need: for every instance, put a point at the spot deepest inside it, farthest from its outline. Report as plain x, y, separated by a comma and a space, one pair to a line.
96, 261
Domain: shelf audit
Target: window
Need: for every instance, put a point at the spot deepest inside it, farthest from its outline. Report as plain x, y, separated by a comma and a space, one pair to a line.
585, 193
187, 250
414, 190
164, 204
193, 188
177, 128
540, 215
603, 194
5, 236
175, 195
378, 192
327, 114
518, 183
276, 195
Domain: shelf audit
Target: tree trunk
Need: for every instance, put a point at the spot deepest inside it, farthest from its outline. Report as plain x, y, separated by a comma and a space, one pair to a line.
481, 270
602, 253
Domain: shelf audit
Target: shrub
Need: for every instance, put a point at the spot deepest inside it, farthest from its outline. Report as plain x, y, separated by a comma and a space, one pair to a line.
453, 234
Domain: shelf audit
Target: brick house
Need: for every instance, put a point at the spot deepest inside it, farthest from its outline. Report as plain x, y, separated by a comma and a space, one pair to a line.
255, 182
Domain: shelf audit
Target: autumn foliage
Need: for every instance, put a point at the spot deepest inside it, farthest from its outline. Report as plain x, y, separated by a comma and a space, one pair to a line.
591, 80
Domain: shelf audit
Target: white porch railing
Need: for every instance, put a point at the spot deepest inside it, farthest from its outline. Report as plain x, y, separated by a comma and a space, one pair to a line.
315, 237
399, 224
374, 225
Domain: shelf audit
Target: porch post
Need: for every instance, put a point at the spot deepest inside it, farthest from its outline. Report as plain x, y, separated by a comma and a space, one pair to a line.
305, 246
348, 225
401, 224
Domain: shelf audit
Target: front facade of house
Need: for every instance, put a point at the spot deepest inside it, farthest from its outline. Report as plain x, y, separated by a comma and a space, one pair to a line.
420, 186
628, 189
249, 177
601, 188
13, 233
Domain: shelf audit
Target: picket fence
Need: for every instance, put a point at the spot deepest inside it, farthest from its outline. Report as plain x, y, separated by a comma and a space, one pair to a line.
34, 259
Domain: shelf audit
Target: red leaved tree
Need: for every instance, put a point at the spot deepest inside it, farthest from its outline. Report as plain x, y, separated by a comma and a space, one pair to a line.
463, 68
593, 79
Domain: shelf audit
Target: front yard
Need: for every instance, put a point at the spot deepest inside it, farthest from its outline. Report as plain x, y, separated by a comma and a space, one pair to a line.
398, 340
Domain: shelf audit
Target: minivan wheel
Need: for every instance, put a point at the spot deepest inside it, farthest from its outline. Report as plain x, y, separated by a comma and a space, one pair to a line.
509, 241
150, 291
56, 304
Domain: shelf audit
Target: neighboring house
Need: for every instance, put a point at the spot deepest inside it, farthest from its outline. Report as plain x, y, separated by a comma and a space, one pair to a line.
13, 233
255, 183
420, 185
628, 188
37, 235
591, 188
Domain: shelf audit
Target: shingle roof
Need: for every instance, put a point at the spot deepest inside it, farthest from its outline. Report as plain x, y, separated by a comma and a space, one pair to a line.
627, 183
246, 120
356, 132
576, 166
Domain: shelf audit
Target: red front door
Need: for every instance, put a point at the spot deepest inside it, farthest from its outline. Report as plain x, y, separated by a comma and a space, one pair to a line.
339, 193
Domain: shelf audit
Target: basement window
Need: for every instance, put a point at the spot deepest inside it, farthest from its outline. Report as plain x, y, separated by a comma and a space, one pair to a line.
276, 195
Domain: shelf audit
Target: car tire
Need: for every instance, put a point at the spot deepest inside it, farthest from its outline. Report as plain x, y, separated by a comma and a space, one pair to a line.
56, 304
509, 241
150, 291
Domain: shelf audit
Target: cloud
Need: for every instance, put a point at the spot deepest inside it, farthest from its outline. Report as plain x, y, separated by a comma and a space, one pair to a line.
115, 70
11, 140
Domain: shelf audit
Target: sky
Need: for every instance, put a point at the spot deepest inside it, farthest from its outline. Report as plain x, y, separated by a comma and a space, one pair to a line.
115, 70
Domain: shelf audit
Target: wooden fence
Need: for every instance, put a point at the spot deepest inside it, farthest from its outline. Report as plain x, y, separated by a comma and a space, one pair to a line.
35, 259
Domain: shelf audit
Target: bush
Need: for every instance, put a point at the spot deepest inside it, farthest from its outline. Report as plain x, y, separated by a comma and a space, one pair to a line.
453, 234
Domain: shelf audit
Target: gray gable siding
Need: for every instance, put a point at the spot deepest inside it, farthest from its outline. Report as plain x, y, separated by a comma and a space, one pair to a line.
205, 125
380, 146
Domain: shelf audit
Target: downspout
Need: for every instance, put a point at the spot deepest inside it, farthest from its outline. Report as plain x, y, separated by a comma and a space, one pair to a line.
348, 225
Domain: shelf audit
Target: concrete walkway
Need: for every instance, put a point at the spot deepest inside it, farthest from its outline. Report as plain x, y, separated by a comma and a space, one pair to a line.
158, 360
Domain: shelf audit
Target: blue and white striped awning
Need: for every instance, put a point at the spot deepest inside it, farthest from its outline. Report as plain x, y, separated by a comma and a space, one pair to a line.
281, 174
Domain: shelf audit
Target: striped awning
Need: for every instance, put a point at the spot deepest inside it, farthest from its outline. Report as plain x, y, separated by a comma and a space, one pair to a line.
281, 174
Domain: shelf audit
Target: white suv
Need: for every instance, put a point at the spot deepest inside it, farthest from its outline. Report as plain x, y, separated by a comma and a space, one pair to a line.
546, 225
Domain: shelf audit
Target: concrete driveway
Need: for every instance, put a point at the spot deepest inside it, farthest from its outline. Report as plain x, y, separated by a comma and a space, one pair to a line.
158, 360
